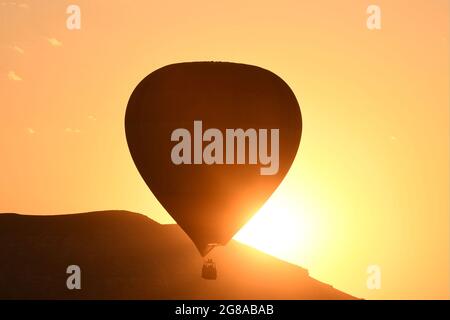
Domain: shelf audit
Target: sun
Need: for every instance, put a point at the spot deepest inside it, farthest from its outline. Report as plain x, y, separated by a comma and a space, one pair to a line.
282, 228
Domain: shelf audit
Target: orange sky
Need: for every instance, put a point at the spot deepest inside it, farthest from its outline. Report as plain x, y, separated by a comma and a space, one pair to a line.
370, 182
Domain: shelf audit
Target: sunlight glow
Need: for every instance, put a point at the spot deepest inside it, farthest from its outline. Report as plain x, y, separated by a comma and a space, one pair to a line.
280, 228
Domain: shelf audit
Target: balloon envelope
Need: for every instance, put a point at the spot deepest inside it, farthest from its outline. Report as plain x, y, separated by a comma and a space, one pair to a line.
210, 202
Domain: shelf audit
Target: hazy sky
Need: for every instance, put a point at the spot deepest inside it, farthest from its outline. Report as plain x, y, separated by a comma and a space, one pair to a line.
370, 183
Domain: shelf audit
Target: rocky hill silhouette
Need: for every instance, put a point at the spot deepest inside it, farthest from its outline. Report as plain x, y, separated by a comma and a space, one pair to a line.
125, 255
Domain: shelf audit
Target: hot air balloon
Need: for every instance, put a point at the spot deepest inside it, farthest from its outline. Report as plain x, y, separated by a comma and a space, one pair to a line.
201, 135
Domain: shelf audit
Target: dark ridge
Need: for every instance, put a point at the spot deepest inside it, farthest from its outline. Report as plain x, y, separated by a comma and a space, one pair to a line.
125, 255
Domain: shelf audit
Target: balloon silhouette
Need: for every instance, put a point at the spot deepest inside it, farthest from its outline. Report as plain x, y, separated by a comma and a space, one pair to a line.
212, 199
